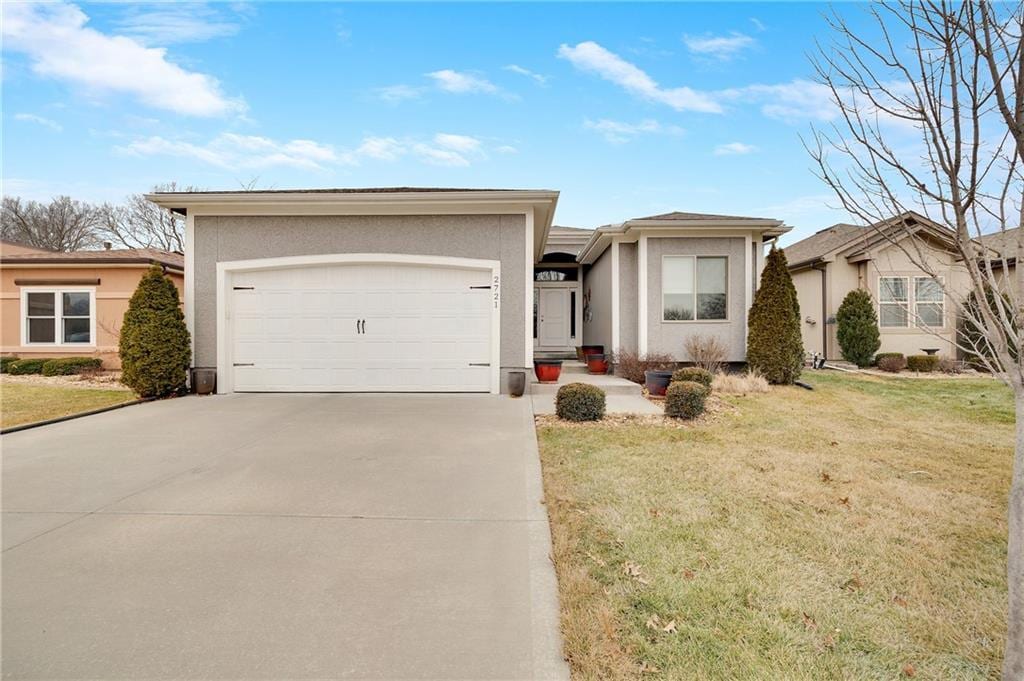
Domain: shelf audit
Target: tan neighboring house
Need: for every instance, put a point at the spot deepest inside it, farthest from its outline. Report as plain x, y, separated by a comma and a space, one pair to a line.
913, 312
71, 304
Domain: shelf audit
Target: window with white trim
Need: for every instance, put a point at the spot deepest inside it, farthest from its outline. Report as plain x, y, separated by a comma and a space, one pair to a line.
929, 303
58, 317
893, 302
694, 288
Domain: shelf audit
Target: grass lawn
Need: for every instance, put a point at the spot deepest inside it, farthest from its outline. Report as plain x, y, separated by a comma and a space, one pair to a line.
25, 403
853, 532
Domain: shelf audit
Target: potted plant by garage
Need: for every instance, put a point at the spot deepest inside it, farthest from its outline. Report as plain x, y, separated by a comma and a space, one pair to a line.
657, 382
597, 363
547, 370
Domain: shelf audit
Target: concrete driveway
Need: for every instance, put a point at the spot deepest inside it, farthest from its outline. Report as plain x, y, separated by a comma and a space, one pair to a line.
280, 536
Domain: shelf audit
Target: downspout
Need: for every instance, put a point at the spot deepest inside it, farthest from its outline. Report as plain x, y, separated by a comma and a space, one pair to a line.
824, 310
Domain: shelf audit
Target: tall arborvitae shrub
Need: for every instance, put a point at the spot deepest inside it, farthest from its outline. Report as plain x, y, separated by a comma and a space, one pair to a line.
154, 347
972, 338
857, 328
774, 346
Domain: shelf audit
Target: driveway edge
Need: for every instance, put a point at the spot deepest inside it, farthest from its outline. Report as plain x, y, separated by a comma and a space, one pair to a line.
548, 657
77, 415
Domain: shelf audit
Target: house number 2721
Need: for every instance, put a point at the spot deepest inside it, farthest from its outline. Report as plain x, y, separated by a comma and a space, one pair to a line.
495, 290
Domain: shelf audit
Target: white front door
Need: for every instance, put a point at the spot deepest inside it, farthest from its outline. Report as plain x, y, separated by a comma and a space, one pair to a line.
553, 318
361, 327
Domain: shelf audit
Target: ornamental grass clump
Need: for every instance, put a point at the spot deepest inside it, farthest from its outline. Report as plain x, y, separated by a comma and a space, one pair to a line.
685, 399
580, 402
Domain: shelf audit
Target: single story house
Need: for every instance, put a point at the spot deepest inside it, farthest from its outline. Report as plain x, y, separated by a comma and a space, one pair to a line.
71, 304
444, 290
914, 313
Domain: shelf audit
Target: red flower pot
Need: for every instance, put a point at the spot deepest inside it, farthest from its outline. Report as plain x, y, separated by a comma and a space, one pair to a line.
588, 350
597, 364
547, 370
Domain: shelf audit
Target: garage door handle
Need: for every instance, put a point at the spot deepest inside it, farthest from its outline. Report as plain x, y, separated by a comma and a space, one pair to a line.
244, 364
479, 364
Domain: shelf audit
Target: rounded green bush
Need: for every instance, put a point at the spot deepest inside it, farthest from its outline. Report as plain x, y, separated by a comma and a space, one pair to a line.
5, 362
885, 355
694, 375
26, 366
66, 366
685, 399
580, 402
925, 363
154, 348
857, 328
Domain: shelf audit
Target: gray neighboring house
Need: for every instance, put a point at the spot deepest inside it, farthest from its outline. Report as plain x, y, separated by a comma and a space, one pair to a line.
444, 290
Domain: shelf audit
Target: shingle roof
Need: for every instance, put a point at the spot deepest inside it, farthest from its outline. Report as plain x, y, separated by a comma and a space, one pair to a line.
1003, 242
678, 215
112, 257
824, 242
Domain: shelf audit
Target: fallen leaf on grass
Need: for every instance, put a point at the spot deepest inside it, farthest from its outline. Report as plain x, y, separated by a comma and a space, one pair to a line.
829, 642
853, 583
688, 573
909, 671
825, 477
844, 501
655, 513
635, 571
670, 628
809, 622
899, 600
595, 559
646, 668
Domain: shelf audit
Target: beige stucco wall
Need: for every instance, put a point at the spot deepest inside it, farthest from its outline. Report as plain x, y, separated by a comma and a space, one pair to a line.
491, 237
628, 308
812, 322
597, 312
117, 284
668, 337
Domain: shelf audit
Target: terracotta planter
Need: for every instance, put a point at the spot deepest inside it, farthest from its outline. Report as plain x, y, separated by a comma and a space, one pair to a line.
597, 364
547, 370
657, 382
587, 350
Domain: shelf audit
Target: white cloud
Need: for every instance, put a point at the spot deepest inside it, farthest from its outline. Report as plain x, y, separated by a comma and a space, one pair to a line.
56, 39
734, 149
461, 82
797, 101
618, 132
233, 152
591, 57
39, 120
515, 68
506, 149
168, 23
723, 47
758, 24
398, 93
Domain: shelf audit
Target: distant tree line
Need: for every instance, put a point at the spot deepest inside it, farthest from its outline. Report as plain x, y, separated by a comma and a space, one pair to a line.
65, 224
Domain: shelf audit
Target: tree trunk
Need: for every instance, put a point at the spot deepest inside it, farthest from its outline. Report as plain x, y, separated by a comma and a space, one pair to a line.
1013, 659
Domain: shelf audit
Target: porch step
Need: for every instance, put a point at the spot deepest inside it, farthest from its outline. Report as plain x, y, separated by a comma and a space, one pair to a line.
576, 372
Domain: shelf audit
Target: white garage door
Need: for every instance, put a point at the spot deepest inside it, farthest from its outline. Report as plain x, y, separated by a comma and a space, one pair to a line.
361, 327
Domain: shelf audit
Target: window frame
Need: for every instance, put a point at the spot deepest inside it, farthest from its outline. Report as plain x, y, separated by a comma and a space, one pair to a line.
941, 303
695, 258
58, 316
905, 304
910, 305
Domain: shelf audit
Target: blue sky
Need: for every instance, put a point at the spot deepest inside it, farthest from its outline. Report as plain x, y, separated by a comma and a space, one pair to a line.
628, 110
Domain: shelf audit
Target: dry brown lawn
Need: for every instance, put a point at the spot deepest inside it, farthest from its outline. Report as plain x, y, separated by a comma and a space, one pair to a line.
853, 532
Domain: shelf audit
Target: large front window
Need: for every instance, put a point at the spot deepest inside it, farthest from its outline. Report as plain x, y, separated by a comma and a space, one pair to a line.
694, 288
898, 303
58, 317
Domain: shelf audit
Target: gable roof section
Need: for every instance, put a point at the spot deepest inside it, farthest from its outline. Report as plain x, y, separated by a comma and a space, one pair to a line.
8, 247
823, 242
126, 256
679, 216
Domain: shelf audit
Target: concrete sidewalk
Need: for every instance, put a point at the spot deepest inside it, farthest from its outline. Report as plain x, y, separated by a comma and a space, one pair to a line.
281, 536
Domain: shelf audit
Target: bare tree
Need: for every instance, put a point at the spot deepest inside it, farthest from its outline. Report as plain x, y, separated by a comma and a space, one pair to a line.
63, 224
139, 223
931, 119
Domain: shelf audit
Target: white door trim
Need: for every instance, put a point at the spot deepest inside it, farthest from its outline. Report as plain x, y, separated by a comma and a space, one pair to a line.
225, 270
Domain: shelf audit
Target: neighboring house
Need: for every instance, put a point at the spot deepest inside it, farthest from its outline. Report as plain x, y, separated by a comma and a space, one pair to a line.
406, 289
71, 304
913, 312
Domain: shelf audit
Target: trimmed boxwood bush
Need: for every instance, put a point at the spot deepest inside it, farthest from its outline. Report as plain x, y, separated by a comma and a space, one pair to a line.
66, 366
923, 362
580, 402
26, 366
883, 355
685, 399
694, 375
893, 362
5, 362
154, 348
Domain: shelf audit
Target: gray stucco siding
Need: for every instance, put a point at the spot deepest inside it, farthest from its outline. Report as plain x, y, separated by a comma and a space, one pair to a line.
628, 308
491, 237
597, 311
668, 337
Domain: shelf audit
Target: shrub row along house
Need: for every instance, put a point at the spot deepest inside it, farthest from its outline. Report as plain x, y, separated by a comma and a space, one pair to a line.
71, 304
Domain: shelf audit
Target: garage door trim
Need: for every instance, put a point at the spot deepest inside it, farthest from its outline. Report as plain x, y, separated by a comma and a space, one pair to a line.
226, 271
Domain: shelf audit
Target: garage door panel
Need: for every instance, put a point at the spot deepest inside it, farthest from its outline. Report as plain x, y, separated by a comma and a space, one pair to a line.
424, 327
